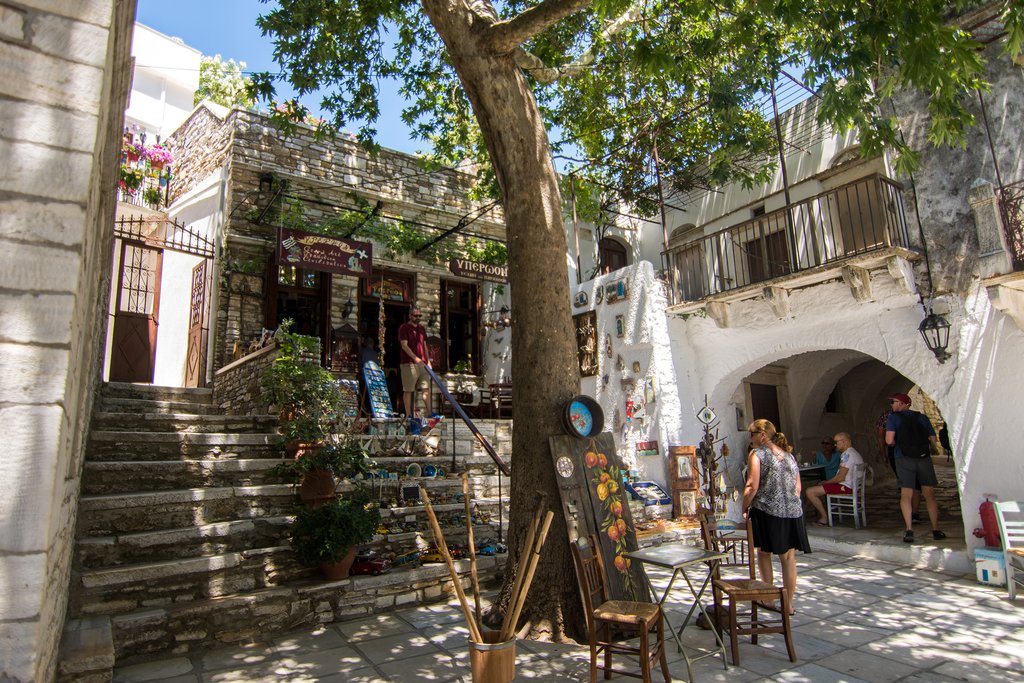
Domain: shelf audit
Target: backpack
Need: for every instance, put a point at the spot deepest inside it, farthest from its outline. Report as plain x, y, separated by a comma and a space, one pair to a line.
912, 436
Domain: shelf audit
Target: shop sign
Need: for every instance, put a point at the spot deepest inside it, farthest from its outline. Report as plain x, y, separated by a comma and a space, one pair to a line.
320, 252
478, 271
388, 289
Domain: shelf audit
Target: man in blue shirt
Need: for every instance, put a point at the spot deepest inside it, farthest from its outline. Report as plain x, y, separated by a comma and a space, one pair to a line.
913, 436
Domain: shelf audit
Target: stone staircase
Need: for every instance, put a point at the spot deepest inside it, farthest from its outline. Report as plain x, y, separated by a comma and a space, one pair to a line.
181, 538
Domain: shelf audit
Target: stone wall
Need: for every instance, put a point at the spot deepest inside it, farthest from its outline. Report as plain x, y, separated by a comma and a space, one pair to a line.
236, 386
200, 147
937, 196
63, 90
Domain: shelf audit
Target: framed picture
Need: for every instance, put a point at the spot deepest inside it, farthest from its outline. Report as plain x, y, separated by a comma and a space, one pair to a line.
683, 464
586, 342
684, 467
620, 326
686, 504
649, 393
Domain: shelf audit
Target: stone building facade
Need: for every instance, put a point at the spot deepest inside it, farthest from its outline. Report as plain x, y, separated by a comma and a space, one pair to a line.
241, 178
63, 90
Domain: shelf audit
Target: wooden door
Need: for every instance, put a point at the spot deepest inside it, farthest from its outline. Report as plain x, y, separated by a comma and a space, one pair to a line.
136, 314
764, 404
195, 356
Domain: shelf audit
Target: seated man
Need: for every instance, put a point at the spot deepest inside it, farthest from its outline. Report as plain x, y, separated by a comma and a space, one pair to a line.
842, 482
829, 457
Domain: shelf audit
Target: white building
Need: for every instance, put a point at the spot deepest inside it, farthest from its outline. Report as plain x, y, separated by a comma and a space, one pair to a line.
164, 82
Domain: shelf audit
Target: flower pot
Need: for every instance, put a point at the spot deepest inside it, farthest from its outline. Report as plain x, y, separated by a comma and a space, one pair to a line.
335, 571
317, 487
297, 449
491, 661
132, 157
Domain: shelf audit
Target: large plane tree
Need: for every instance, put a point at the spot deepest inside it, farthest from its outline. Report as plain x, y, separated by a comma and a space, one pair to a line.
621, 80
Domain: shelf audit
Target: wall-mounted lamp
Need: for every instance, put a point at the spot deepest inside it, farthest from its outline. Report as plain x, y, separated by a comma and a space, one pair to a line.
346, 309
935, 331
498, 320
432, 319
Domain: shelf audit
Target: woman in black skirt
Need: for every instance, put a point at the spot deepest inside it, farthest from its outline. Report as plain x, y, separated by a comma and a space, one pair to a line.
771, 499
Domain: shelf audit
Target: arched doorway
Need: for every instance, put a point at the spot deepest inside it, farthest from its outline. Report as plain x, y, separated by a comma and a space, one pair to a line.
819, 393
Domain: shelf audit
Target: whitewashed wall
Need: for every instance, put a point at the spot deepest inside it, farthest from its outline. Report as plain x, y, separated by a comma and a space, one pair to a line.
977, 390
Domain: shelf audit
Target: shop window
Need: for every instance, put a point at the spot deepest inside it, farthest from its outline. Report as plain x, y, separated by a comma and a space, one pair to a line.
302, 295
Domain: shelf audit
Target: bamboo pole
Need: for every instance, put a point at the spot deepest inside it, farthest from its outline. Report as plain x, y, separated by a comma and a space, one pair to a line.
472, 546
442, 546
524, 559
509, 627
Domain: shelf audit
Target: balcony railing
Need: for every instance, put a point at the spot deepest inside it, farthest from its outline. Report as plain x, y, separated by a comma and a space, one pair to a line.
1011, 204
151, 189
863, 216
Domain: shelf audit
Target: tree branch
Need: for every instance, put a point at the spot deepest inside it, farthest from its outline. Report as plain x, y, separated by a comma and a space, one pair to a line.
506, 36
548, 74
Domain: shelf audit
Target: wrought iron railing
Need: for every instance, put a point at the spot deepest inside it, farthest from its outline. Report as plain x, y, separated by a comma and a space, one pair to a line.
863, 216
151, 189
1011, 205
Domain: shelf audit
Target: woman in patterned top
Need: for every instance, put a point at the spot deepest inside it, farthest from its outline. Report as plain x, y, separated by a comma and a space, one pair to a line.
771, 499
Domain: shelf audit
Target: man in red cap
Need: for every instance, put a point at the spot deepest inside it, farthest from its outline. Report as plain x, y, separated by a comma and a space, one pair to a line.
912, 435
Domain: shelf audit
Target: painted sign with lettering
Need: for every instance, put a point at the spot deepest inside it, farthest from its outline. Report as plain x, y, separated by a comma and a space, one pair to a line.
478, 271
320, 252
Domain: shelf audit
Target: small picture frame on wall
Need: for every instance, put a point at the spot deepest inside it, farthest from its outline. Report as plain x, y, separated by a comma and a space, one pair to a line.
686, 470
620, 326
686, 504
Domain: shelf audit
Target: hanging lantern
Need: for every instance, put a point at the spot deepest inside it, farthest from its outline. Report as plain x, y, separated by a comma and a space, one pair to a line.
935, 331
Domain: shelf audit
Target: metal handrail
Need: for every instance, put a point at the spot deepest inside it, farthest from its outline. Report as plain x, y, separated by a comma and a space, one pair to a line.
1011, 205
458, 410
862, 216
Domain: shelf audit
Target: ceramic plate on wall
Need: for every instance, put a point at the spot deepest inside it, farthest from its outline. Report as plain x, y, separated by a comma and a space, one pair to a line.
414, 470
429, 471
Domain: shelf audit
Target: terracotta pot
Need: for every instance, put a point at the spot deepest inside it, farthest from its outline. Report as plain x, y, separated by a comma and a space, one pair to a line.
317, 487
296, 449
335, 571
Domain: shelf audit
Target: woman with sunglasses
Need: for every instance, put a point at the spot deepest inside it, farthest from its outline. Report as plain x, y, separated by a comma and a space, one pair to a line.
771, 500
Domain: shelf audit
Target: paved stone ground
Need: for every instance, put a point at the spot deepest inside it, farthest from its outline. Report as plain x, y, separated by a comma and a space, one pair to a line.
858, 619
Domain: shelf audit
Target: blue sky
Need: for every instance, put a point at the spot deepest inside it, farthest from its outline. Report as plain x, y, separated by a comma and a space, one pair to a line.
228, 28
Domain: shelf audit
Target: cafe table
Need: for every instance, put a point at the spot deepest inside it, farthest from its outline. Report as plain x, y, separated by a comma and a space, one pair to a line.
683, 559
812, 474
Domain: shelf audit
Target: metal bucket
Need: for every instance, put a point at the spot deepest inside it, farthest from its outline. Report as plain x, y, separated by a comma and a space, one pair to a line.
491, 661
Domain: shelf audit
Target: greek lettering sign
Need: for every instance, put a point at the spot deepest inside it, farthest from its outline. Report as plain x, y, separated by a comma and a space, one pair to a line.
478, 271
320, 252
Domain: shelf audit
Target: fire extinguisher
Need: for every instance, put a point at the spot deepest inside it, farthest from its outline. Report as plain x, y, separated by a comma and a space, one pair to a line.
989, 524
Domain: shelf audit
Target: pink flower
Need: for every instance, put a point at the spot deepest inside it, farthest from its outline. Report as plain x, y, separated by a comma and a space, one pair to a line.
158, 156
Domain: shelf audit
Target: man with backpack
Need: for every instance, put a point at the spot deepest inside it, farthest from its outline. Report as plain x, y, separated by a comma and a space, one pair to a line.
913, 436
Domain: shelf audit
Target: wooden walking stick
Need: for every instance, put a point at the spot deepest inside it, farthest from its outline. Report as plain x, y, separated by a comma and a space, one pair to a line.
524, 559
472, 545
512, 618
474, 630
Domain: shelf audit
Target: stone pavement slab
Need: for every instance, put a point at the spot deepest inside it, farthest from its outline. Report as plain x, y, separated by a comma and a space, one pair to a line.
858, 619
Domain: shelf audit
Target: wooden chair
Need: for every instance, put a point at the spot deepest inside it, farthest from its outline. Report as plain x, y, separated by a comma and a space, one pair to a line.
609, 622
1011, 532
762, 618
499, 398
840, 504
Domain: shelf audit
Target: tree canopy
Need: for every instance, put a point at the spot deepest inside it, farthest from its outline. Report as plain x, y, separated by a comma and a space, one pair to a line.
617, 77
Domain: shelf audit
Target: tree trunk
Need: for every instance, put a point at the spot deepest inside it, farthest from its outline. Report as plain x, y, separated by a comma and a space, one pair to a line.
544, 365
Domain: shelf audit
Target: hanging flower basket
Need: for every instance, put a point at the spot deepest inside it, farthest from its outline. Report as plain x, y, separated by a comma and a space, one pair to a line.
131, 152
131, 179
158, 157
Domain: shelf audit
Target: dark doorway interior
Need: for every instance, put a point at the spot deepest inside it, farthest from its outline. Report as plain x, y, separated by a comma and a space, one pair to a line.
611, 255
302, 296
764, 402
395, 313
460, 320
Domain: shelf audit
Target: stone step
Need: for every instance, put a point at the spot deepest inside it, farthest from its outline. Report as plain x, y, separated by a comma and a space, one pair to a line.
151, 392
135, 476
110, 515
262, 613
193, 541
138, 405
123, 445
182, 423
117, 590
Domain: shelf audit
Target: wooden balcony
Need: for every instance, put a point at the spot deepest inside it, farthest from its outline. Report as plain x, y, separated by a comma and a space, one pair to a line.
861, 219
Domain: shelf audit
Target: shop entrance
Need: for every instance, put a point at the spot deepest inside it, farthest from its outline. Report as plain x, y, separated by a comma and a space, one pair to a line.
394, 292
303, 296
460, 319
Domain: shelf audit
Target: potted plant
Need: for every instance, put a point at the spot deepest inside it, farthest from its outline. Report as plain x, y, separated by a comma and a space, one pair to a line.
318, 470
151, 196
304, 393
158, 157
131, 179
327, 536
131, 151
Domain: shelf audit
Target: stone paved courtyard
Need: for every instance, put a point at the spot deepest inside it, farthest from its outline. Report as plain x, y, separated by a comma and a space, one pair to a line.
858, 619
